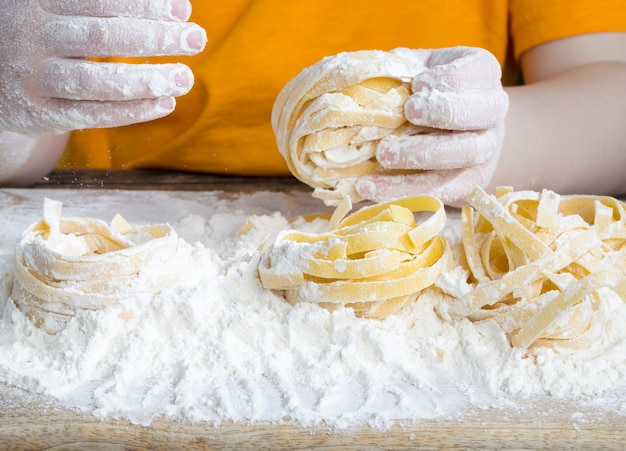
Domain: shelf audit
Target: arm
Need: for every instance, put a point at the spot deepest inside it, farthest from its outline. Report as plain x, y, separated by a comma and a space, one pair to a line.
565, 128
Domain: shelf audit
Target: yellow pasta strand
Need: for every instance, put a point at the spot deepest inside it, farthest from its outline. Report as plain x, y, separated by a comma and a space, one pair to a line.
64, 265
537, 260
329, 119
375, 260
533, 329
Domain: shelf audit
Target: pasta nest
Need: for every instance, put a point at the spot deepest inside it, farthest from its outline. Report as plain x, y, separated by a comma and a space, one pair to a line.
538, 263
67, 265
374, 261
329, 119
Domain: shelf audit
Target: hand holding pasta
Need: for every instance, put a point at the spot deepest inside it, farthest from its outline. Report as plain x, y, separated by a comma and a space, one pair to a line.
382, 125
48, 85
460, 98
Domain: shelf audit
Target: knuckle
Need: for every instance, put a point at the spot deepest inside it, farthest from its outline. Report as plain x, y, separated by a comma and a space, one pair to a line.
98, 32
51, 6
85, 81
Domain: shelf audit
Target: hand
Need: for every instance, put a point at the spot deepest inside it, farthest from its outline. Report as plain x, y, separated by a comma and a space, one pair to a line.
460, 99
47, 84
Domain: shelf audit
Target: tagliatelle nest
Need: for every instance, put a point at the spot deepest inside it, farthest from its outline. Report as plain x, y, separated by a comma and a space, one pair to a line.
65, 265
329, 119
375, 260
537, 261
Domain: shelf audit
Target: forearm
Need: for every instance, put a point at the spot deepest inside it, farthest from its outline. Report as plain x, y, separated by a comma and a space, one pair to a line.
25, 159
567, 133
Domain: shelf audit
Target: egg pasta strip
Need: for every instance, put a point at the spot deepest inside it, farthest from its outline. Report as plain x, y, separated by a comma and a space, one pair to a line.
537, 261
373, 260
65, 265
329, 119
534, 328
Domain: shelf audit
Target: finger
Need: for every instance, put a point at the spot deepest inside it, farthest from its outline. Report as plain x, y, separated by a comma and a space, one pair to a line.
459, 69
418, 55
452, 186
86, 80
140, 9
471, 110
76, 115
85, 37
438, 150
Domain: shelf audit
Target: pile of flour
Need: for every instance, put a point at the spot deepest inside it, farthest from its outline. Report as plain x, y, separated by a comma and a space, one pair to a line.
217, 347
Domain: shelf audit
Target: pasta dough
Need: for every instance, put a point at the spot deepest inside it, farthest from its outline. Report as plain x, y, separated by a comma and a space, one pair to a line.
65, 265
329, 119
537, 261
374, 261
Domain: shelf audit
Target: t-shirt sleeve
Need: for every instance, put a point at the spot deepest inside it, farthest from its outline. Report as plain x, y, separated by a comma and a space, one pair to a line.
535, 22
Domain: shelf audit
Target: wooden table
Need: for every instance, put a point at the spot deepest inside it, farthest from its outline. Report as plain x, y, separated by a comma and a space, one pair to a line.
36, 426
31, 423
158, 180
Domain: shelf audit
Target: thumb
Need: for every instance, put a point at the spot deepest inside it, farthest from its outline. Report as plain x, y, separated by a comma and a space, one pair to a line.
459, 69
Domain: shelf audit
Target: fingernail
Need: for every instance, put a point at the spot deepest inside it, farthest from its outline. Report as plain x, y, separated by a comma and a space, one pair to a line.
167, 103
412, 112
420, 85
194, 39
182, 79
365, 187
181, 9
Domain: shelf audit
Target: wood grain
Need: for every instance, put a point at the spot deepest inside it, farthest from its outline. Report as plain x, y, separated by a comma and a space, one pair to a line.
165, 181
32, 428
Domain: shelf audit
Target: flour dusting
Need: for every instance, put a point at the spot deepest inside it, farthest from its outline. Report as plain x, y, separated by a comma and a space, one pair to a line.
215, 346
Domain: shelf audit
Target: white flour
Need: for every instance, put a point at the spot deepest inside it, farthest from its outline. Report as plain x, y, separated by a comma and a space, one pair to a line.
218, 347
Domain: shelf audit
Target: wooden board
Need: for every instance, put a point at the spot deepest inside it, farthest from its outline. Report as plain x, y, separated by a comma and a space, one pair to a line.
30, 424
159, 180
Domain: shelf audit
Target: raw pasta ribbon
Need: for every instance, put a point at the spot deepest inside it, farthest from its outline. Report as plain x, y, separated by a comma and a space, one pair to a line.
375, 260
537, 261
65, 265
329, 119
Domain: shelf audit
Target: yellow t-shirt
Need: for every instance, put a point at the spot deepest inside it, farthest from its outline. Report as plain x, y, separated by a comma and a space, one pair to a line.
256, 46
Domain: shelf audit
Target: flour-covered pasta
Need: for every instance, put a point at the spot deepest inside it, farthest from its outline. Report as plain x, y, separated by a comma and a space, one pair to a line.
537, 262
374, 260
64, 265
329, 119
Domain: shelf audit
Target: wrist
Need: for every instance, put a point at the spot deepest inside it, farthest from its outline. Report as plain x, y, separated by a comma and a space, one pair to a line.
25, 159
